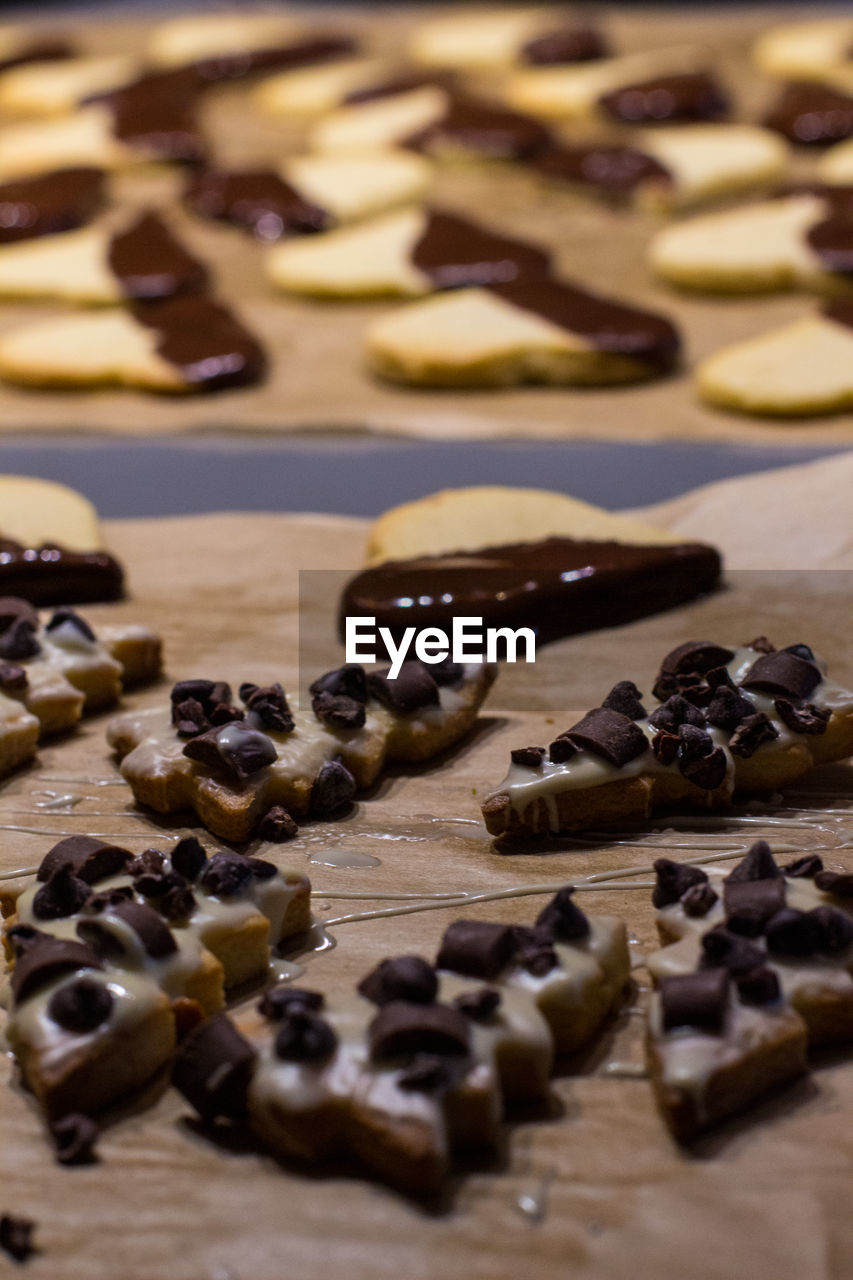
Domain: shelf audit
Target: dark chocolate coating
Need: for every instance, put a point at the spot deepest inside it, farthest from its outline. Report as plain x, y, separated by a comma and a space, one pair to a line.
812, 114
150, 263
454, 252
256, 200
691, 96
204, 341
49, 203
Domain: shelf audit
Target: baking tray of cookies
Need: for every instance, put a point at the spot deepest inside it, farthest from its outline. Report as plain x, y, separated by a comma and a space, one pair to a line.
317, 380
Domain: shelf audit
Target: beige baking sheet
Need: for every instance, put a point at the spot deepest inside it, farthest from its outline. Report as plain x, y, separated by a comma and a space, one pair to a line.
318, 381
768, 1196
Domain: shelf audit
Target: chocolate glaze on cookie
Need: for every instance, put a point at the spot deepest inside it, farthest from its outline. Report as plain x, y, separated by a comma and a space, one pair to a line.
692, 96
44, 50
257, 200
49, 203
611, 170
157, 112
563, 45
832, 241
315, 50
812, 114
150, 263
399, 84
51, 574
455, 252
841, 311
204, 341
490, 131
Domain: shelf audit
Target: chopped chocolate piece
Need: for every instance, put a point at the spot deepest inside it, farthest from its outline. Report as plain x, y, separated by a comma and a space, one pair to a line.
529, 757
41, 958
839, 883
566, 44
749, 904
561, 919
836, 929
808, 867
759, 986
805, 718
698, 900
665, 746
695, 655
74, 1137
759, 864
91, 859
784, 673
609, 734
234, 747
675, 712
332, 789
108, 898
349, 681
62, 617
261, 869
156, 937
447, 672
189, 718
413, 688
427, 1073
62, 895
19, 641
719, 678
695, 743
698, 760
408, 978
401, 1028
277, 825
13, 679
794, 933
199, 690
338, 711
304, 1036
477, 948
178, 903
537, 954
156, 883
721, 948
729, 708
16, 1237
561, 750
189, 857
226, 874
213, 1068
479, 1005
625, 698
279, 1002
695, 1000
761, 645
751, 734
151, 862
690, 685
81, 1005
13, 609
269, 704
673, 880
801, 651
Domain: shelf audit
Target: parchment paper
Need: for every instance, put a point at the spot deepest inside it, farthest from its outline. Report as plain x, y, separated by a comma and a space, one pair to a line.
317, 380
767, 1196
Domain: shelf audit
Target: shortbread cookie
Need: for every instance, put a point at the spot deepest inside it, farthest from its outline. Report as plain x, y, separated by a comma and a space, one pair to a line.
800, 240
20, 46
794, 920
53, 202
411, 252
435, 120
236, 767
641, 88
143, 260
813, 114
836, 165
181, 345
309, 193
51, 88
230, 46
500, 39
544, 331
803, 368
312, 91
805, 51
670, 169
748, 719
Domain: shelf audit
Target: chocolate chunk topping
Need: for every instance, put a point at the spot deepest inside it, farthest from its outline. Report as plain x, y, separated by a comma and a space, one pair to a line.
151, 862
349, 681
471, 124
749, 904
839, 883
178, 903
565, 44
43, 958
334, 788
428, 1073
759, 864
807, 867
759, 986
13, 679
752, 732
805, 718
812, 114
91, 859
19, 641
338, 711
454, 252
49, 203
561, 750
609, 734
480, 1005
74, 1137
695, 1000
836, 929
62, 617
204, 341
699, 761
794, 933
256, 200
156, 937
236, 748
691, 96
782, 672
665, 747
189, 718
61, 895
189, 857
156, 882
723, 949
304, 1036
536, 951
401, 1029
201, 690
149, 262
226, 874
408, 978
81, 1005
561, 919
213, 1068
280, 1001
673, 880
698, 900
277, 825
529, 757
413, 688
613, 170
675, 712
625, 697
729, 708
13, 609
696, 655
16, 1237
477, 948
269, 704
